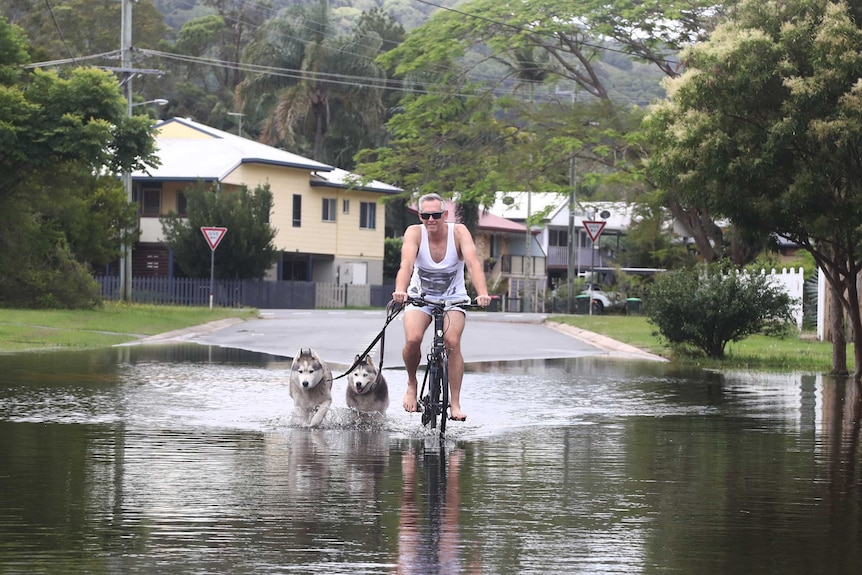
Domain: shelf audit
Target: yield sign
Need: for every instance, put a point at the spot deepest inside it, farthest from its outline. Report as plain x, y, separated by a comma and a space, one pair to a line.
213, 236
594, 229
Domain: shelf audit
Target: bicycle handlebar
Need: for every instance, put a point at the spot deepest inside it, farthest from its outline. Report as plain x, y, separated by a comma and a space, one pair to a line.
423, 300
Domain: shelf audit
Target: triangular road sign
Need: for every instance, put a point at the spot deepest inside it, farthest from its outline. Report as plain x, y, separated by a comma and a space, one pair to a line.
594, 229
213, 236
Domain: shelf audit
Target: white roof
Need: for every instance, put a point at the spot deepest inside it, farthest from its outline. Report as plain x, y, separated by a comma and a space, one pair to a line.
620, 215
515, 207
338, 178
619, 218
216, 156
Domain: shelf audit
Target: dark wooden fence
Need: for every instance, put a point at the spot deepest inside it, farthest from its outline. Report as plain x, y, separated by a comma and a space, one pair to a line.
248, 293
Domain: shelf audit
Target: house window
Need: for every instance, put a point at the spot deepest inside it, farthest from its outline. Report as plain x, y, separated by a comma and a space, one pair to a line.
181, 204
558, 237
297, 210
345, 206
329, 209
367, 215
152, 202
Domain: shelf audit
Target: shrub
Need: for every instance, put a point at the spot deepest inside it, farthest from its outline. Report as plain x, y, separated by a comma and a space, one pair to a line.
711, 305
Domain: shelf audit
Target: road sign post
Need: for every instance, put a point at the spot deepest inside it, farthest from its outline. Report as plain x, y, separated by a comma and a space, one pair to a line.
213, 236
594, 230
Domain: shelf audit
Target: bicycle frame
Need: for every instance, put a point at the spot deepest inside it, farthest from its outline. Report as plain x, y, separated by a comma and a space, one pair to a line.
435, 403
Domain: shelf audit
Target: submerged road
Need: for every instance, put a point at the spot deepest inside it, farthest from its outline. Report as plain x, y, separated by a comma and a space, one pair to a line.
339, 335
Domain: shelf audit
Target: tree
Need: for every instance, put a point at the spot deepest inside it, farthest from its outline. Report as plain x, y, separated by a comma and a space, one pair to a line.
711, 305
246, 251
647, 242
301, 106
764, 128
206, 92
63, 140
470, 67
77, 28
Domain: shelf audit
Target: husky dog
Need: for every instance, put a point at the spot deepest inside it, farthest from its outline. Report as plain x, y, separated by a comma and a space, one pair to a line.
310, 387
366, 388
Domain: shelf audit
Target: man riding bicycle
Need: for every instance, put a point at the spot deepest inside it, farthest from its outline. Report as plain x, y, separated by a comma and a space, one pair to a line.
433, 257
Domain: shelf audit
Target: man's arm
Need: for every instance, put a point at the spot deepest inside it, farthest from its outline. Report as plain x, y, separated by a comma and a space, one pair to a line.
467, 248
409, 250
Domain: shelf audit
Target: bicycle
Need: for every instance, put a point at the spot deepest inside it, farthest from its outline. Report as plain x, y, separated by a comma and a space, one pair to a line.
435, 403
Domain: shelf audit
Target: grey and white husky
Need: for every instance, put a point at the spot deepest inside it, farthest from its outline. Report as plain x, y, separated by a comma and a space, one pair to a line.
310, 387
366, 388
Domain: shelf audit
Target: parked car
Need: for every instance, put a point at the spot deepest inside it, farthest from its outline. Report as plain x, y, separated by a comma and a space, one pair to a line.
603, 300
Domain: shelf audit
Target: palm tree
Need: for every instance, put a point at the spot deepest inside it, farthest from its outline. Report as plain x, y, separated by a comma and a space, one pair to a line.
321, 78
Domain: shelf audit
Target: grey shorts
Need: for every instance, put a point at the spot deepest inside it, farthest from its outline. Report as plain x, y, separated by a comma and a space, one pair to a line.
427, 309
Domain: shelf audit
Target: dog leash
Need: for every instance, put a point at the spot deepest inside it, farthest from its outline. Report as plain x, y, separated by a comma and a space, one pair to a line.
392, 310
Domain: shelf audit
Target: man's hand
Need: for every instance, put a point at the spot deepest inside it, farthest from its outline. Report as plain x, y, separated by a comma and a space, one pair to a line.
399, 296
483, 300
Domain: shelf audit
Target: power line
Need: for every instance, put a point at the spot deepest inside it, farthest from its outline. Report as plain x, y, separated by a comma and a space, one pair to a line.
345, 79
73, 60
59, 31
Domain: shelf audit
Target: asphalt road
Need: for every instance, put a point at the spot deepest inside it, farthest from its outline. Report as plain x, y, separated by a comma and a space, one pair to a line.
339, 335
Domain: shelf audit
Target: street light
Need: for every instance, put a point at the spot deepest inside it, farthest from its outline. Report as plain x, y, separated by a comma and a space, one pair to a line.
157, 102
239, 115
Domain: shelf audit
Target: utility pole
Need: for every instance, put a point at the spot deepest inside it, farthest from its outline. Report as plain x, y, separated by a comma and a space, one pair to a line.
126, 64
528, 260
572, 243
126, 73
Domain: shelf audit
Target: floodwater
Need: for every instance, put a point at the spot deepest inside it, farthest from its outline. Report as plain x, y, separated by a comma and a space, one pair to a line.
184, 459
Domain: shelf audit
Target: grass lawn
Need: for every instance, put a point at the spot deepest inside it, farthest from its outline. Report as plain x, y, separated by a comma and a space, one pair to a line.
28, 330
796, 352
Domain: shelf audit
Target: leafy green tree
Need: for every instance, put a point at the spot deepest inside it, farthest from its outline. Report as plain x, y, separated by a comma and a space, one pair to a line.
648, 243
63, 140
709, 306
764, 129
206, 92
245, 252
391, 257
485, 73
77, 28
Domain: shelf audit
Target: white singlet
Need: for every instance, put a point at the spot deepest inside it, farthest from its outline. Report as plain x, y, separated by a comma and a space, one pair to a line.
444, 279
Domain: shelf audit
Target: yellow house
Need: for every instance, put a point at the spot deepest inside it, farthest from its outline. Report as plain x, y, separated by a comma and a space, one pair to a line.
330, 227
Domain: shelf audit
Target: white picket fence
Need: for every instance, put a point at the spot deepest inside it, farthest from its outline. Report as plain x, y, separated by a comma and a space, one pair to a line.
333, 296
792, 281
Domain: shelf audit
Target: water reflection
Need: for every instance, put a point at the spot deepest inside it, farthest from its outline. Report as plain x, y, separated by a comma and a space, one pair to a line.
177, 460
432, 545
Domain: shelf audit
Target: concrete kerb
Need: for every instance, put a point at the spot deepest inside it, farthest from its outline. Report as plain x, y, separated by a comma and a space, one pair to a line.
188, 332
610, 345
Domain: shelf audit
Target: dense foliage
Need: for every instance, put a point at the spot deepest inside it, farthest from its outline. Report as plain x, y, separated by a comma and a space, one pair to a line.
246, 250
711, 305
64, 137
764, 129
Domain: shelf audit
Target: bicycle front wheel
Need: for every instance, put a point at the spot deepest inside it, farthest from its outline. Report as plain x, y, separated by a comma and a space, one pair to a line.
444, 394
429, 413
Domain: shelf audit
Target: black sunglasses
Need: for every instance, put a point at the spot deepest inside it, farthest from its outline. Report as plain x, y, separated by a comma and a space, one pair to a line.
435, 215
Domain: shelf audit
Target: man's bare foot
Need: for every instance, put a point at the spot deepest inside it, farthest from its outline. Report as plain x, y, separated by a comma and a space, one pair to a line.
409, 403
456, 414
